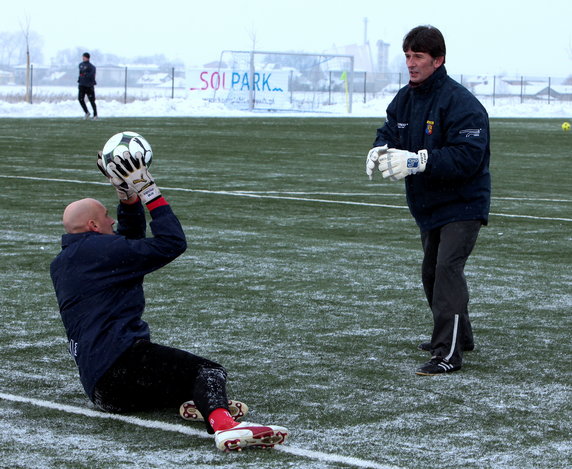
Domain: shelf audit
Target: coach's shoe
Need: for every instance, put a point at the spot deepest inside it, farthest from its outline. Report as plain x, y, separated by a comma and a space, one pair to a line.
437, 366
250, 435
426, 347
189, 411
86, 117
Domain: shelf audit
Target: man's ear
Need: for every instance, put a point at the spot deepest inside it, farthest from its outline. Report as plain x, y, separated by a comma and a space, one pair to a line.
438, 61
92, 226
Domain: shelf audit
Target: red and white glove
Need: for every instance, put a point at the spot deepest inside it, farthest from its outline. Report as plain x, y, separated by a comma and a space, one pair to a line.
397, 164
133, 171
124, 192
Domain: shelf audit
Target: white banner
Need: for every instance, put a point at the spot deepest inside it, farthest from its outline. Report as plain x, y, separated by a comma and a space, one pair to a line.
232, 80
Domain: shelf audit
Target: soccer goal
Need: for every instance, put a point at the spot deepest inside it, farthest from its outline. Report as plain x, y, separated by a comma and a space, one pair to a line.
282, 81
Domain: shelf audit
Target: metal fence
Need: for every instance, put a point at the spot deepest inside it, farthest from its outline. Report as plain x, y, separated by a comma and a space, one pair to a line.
521, 88
130, 83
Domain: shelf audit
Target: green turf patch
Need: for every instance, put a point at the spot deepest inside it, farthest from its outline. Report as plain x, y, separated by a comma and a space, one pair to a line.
302, 278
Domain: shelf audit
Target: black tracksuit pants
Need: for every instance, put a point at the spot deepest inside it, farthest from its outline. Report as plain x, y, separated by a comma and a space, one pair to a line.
150, 376
88, 91
446, 250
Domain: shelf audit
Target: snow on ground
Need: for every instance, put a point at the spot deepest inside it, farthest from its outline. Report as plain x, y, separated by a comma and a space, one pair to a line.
196, 106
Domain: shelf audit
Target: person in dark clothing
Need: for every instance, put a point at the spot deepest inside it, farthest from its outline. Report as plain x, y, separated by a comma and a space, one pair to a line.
86, 81
436, 137
98, 279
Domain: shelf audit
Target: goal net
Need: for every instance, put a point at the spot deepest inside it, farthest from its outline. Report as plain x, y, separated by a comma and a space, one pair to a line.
281, 81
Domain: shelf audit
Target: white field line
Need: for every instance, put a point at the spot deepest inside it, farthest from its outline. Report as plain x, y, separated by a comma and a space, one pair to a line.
381, 194
268, 195
186, 430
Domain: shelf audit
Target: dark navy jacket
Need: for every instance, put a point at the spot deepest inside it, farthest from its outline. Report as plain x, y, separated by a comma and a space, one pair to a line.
86, 74
443, 117
98, 281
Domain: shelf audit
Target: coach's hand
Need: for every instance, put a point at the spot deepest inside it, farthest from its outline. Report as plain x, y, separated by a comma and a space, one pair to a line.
124, 192
372, 160
397, 164
133, 171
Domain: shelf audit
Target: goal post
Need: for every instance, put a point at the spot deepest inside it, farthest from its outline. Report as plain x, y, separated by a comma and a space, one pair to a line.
281, 81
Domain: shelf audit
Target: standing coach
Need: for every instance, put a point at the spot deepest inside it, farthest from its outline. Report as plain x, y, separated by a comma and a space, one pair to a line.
436, 137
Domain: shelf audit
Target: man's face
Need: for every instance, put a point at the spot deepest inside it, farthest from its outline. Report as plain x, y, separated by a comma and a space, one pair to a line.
421, 65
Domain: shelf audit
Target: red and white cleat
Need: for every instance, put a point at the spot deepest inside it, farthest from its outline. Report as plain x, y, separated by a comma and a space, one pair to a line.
189, 411
250, 435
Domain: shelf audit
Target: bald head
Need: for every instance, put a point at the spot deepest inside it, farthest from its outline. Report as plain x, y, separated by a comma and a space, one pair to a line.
87, 215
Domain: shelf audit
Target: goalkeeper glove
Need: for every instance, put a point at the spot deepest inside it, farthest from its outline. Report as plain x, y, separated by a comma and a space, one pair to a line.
133, 171
372, 160
124, 192
397, 164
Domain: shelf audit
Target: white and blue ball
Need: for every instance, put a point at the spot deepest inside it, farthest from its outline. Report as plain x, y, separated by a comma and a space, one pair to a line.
126, 141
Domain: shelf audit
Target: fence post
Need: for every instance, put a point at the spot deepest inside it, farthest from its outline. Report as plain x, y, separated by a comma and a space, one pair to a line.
172, 82
521, 89
31, 83
364, 86
330, 89
251, 93
351, 77
125, 89
549, 90
494, 88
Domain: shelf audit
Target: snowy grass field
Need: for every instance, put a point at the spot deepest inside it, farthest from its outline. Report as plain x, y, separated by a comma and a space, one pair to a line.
303, 278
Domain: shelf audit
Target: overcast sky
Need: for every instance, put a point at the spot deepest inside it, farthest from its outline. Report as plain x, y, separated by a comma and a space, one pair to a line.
483, 37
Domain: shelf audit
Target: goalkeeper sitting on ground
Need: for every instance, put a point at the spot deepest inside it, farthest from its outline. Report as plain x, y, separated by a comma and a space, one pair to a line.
98, 279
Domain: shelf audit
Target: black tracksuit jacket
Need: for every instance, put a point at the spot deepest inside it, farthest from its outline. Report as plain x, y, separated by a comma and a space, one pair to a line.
443, 117
98, 279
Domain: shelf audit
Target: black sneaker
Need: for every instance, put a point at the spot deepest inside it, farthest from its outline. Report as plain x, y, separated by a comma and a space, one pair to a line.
437, 366
426, 347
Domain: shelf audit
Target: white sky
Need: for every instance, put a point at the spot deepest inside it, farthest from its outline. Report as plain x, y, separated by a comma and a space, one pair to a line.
482, 37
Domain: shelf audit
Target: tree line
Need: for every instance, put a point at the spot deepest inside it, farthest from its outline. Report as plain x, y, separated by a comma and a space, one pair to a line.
14, 47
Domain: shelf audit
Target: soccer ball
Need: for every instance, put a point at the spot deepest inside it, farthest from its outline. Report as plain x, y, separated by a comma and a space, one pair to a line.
126, 141
566, 126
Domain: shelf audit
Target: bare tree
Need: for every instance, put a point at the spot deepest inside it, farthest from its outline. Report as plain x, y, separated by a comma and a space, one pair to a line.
13, 49
26, 32
8, 48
